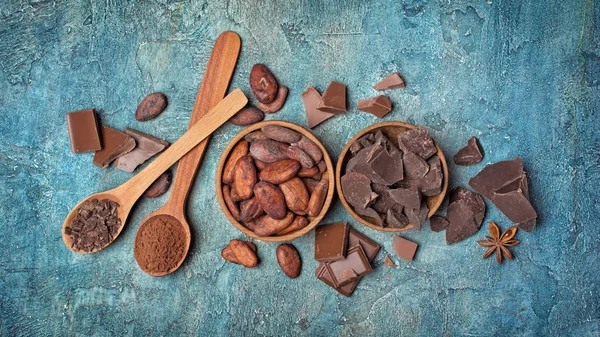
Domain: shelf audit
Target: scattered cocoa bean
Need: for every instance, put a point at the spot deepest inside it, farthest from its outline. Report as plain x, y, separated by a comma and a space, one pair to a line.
160, 185
304, 159
281, 134
254, 136
317, 198
308, 172
279, 171
250, 209
271, 200
231, 205
298, 223
289, 260
277, 104
268, 151
151, 107
239, 150
229, 256
310, 148
243, 253
244, 177
268, 226
246, 116
295, 194
263, 83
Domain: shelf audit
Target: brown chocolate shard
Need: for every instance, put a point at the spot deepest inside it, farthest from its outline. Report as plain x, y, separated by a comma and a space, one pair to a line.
495, 176
356, 260
388, 262
464, 214
334, 98
392, 81
311, 99
415, 167
146, 147
370, 247
408, 197
470, 154
418, 141
83, 131
357, 190
437, 223
115, 144
331, 242
405, 249
378, 106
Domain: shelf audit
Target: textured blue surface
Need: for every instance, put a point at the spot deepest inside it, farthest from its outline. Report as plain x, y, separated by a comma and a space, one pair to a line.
523, 76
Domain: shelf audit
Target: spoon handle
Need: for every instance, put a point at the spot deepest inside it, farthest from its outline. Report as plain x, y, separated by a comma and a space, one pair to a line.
217, 116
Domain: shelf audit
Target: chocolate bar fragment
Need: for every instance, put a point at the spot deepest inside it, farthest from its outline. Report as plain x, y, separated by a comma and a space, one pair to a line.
470, 154
83, 131
361, 163
146, 147
418, 141
322, 273
370, 247
407, 197
311, 99
371, 215
415, 167
405, 249
505, 184
465, 214
357, 190
392, 81
331, 242
356, 260
378, 106
334, 98
431, 183
437, 223
384, 202
388, 166
115, 144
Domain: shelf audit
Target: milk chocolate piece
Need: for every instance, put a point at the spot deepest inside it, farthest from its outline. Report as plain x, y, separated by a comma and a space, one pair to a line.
356, 260
331, 242
465, 214
415, 167
322, 273
83, 131
470, 154
431, 183
388, 262
437, 223
405, 249
393, 81
505, 184
146, 147
370, 247
378, 106
418, 141
417, 216
312, 99
408, 197
357, 190
114, 144
334, 98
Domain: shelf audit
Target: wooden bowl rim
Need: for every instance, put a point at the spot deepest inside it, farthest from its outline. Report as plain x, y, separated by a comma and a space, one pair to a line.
338, 170
330, 192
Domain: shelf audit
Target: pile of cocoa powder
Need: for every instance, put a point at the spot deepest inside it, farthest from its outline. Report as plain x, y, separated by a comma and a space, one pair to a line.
160, 244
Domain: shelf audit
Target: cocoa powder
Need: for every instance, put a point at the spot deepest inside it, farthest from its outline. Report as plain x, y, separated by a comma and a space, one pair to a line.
160, 244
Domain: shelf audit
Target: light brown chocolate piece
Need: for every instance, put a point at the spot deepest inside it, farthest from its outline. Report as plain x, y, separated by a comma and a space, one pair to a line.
312, 99
392, 81
146, 147
114, 144
83, 131
378, 106
334, 98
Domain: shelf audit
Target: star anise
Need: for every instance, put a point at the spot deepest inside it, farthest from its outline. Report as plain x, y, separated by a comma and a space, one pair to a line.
498, 243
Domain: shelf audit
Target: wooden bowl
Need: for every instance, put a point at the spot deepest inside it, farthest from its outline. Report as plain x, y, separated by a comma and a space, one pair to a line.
314, 221
390, 130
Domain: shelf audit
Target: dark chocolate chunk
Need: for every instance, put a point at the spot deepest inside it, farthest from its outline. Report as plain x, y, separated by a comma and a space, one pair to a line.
355, 147
378, 106
114, 145
356, 260
83, 131
465, 214
396, 219
392, 81
366, 140
389, 168
470, 154
415, 167
146, 147
418, 141
312, 99
370, 247
495, 176
405, 249
417, 216
361, 163
431, 183
381, 139
331, 242
334, 98
437, 223
456, 234
322, 273
408, 197
371, 215
357, 190
384, 201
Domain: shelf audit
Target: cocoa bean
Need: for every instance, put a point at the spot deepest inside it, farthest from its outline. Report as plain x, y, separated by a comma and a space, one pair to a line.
229, 256
279, 171
245, 177
254, 136
277, 104
295, 194
160, 185
271, 200
263, 83
268, 151
151, 106
289, 260
250, 209
317, 198
234, 196
304, 159
298, 223
268, 226
281, 134
243, 253
239, 150
308, 172
246, 116
231, 205
310, 184
322, 166
260, 165
310, 148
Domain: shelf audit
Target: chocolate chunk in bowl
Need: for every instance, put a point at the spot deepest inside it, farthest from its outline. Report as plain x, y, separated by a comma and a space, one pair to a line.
383, 145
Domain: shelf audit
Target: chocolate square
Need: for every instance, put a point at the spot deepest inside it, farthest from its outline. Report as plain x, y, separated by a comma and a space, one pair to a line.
331, 242
323, 274
334, 98
356, 260
114, 145
83, 131
405, 249
370, 247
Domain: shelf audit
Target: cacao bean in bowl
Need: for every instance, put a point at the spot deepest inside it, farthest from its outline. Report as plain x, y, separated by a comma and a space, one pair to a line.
275, 181
392, 176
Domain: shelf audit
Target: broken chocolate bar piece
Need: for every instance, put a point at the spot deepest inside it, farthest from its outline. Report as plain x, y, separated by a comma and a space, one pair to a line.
331, 242
407, 197
83, 131
505, 184
392, 81
356, 260
357, 190
415, 167
417, 216
470, 154
437, 223
378, 106
311, 99
370, 247
465, 214
334, 98
405, 249
418, 141
146, 147
322, 273
114, 145
431, 183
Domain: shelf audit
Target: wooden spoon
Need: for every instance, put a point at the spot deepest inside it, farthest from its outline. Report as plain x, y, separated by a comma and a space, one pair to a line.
215, 82
128, 193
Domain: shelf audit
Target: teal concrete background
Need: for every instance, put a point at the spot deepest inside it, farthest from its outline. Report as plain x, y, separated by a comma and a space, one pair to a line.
523, 76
